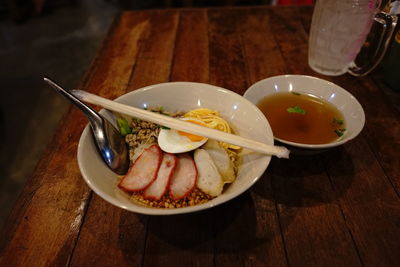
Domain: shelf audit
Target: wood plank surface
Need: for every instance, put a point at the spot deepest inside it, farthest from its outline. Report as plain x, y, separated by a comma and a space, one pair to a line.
191, 43
122, 235
373, 225
155, 57
336, 208
383, 128
314, 229
52, 206
227, 63
185, 240
260, 49
369, 225
368, 202
253, 237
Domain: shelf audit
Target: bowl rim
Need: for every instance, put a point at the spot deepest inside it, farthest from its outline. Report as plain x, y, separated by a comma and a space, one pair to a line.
190, 209
335, 143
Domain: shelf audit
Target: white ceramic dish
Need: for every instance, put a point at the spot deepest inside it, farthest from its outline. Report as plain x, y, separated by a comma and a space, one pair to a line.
246, 119
352, 110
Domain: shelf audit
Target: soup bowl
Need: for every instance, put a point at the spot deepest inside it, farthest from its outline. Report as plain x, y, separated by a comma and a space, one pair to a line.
244, 117
346, 103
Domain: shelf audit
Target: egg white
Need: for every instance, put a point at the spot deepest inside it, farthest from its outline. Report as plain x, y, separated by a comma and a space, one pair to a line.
172, 142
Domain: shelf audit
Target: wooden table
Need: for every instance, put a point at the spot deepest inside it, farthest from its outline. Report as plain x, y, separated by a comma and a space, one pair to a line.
338, 208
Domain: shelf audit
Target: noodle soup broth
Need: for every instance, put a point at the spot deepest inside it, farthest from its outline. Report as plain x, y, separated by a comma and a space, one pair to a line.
302, 118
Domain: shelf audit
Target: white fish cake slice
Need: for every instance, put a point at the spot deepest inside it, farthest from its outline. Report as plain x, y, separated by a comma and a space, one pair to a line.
209, 179
221, 160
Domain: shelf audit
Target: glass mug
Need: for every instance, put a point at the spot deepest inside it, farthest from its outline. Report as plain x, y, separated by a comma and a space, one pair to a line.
339, 29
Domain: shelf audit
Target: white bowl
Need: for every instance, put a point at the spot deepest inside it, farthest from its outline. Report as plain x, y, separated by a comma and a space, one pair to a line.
246, 119
352, 110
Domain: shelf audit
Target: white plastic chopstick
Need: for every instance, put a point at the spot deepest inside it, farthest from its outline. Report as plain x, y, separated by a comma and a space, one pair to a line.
279, 151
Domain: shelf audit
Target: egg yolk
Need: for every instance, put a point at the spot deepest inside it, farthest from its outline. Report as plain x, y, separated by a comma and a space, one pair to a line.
192, 137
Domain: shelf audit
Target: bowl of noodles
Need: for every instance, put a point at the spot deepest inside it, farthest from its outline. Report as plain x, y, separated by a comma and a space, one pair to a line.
162, 181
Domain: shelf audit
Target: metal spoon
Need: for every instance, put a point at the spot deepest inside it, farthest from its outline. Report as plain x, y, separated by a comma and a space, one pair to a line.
110, 143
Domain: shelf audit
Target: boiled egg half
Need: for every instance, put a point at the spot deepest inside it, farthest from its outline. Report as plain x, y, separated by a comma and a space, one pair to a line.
173, 141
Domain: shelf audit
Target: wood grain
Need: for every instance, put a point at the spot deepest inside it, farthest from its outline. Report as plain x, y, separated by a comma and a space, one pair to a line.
114, 77
261, 51
227, 63
382, 130
155, 56
368, 202
314, 229
383, 216
312, 225
191, 43
378, 183
253, 237
123, 234
51, 208
184, 240
110, 236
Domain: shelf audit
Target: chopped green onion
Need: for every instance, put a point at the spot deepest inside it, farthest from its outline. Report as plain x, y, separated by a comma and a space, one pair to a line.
338, 121
340, 132
123, 126
296, 109
295, 93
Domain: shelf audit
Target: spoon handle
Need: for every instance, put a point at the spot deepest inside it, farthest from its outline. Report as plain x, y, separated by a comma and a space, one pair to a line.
91, 114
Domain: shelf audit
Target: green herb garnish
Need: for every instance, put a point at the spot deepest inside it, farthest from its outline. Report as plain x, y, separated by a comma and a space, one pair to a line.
295, 93
123, 126
296, 109
338, 121
340, 132
165, 128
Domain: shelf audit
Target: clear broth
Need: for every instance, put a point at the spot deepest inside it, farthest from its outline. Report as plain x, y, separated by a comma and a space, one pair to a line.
322, 122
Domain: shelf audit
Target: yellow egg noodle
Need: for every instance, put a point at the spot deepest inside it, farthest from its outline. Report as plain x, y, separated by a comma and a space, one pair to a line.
212, 119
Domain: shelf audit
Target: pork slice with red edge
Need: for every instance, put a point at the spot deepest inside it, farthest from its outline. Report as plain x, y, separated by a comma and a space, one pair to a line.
158, 187
184, 179
143, 171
